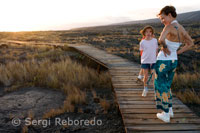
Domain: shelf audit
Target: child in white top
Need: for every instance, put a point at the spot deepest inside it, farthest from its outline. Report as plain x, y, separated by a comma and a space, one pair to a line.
149, 50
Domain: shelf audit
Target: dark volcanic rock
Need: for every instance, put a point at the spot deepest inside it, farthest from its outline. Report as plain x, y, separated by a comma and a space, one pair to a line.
17, 105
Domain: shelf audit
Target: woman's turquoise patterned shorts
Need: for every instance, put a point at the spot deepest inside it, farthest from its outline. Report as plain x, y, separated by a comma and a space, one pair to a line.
165, 70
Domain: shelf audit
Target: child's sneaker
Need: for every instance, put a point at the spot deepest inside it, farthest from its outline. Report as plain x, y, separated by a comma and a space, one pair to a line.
139, 78
163, 116
171, 112
145, 91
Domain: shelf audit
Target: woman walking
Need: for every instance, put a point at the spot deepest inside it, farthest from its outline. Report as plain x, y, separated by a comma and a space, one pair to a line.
172, 36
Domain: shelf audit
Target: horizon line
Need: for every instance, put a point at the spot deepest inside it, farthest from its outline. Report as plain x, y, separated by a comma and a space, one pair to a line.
118, 23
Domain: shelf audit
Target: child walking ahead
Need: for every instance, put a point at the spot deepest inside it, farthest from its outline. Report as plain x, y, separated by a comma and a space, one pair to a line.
149, 50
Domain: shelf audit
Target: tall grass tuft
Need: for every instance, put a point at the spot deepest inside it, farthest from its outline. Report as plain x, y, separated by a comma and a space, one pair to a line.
66, 75
189, 97
51, 74
186, 80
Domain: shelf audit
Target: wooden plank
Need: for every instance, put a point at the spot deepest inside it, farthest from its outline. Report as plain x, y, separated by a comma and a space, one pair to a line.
135, 68
158, 121
129, 81
138, 95
144, 102
136, 98
148, 106
127, 84
142, 111
94, 52
171, 131
108, 58
97, 55
123, 106
135, 95
131, 86
123, 74
121, 65
114, 80
124, 71
125, 78
153, 115
133, 91
117, 60
166, 127
140, 98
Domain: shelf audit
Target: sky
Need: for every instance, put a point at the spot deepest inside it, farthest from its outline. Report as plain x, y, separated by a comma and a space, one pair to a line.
39, 15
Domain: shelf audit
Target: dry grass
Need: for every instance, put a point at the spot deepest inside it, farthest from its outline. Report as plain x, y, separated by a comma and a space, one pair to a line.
105, 104
94, 94
66, 75
77, 98
67, 107
52, 113
51, 68
13, 88
52, 54
20, 52
189, 97
186, 80
51, 74
25, 129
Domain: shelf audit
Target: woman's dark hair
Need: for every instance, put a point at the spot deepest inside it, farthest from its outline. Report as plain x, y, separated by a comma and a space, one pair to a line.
168, 9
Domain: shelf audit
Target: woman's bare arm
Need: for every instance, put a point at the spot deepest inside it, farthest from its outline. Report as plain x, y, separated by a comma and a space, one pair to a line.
188, 41
161, 40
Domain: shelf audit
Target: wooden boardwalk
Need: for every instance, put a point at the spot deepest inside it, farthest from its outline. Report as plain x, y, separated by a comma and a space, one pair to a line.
139, 113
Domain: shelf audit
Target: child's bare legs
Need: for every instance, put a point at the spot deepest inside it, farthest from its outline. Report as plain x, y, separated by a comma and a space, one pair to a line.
140, 74
145, 77
144, 93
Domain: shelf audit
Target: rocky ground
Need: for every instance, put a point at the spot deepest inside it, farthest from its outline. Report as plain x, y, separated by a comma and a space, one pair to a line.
18, 105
